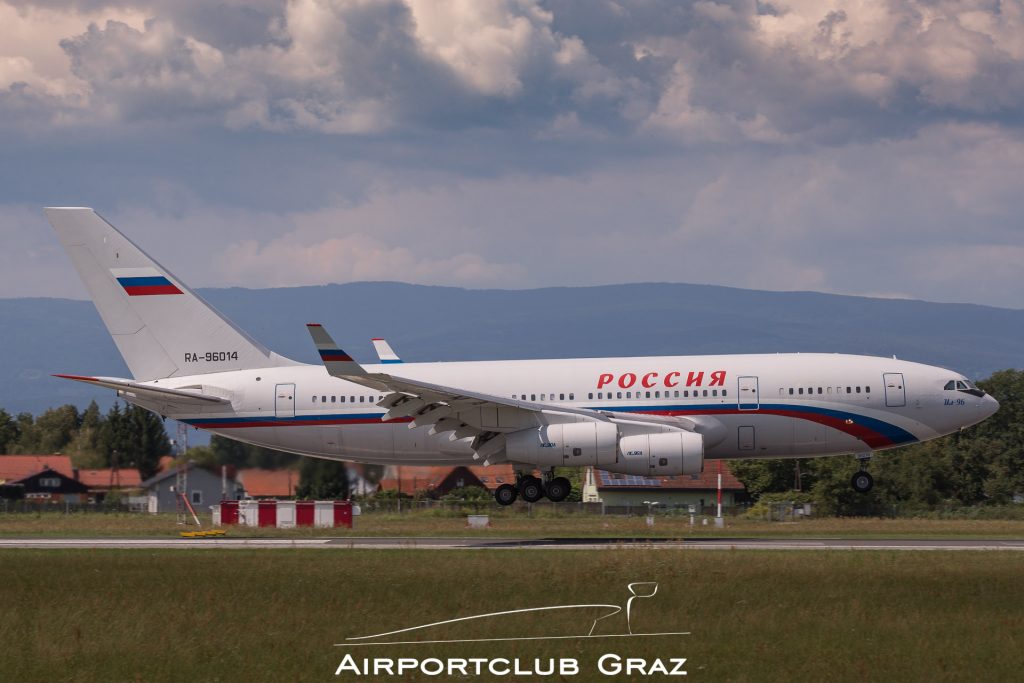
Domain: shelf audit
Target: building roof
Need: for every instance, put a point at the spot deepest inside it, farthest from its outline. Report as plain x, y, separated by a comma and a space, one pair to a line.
268, 483
192, 467
706, 480
127, 478
15, 467
415, 478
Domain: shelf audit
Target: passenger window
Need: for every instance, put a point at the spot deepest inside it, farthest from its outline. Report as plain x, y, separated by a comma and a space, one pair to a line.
590, 395
323, 399
791, 391
647, 395
314, 399
620, 395
629, 394
686, 394
858, 390
867, 390
542, 397
362, 399
819, 390
572, 397
533, 397
848, 390
334, 399
800, 391
657, 394
714, 392
724, 392
561, 397
342, 399
705, 392
830, 390
600, 394
677, 393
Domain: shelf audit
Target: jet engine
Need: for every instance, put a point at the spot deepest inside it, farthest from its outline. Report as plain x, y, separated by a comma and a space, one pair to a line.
605, 445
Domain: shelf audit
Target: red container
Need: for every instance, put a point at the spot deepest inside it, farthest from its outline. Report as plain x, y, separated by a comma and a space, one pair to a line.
304, 512
267, 513
343, 513
229, 512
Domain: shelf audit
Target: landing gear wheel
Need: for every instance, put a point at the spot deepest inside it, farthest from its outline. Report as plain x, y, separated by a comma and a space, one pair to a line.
862, 482
531, 489
558, 489
506, 494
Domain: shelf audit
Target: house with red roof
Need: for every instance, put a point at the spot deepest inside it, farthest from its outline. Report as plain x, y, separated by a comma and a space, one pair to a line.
16, 467
259, 483
438, 481
630, 490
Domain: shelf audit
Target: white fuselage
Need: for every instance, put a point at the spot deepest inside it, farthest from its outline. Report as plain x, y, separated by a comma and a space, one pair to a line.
779, 405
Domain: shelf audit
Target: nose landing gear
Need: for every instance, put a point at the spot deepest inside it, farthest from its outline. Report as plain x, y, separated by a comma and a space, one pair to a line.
862, 482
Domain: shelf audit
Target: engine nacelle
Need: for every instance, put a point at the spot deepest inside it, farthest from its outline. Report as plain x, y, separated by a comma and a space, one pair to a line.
660, 454
573, 444
602, 444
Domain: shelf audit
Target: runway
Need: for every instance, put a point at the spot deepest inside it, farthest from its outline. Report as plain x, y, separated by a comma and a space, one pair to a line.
469, 543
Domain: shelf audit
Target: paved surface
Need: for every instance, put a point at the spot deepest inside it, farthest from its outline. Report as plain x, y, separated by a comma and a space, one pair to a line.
370, 542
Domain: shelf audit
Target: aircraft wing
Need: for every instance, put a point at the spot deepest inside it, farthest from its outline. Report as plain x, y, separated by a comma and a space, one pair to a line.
465, 413
148, 391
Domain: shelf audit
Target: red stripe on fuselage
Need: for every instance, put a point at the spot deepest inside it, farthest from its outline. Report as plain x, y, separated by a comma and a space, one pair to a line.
865, 434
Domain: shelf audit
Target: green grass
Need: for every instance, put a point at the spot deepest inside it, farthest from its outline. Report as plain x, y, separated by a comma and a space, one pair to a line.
274, 615
52, 524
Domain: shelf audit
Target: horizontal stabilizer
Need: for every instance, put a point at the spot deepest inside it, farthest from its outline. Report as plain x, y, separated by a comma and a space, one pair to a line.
150, 392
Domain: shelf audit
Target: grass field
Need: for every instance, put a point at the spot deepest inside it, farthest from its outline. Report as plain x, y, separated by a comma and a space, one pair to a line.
571, 525
275, 615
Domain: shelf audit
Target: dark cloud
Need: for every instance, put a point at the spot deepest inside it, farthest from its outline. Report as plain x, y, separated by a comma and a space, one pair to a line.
868, 148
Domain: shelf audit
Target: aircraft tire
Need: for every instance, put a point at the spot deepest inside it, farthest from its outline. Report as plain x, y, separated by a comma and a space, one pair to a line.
862, 482
531, 489
506, 494
558, 489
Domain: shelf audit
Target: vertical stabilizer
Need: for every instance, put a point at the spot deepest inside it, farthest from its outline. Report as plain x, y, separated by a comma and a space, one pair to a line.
384, 351
160, 326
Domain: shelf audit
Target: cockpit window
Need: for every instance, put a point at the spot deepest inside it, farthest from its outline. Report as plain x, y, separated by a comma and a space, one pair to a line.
950, 385
968, 387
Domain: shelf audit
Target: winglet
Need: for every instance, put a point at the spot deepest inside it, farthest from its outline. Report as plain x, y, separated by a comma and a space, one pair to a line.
337, 362
386, 354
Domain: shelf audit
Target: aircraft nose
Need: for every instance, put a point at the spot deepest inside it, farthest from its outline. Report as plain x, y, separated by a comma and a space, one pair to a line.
989, 405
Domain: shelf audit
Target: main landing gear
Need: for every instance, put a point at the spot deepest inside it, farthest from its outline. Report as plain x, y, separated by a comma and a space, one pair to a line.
862, 482
532, 489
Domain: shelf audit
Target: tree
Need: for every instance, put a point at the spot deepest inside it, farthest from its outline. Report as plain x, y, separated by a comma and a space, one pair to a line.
231, 452
326, 479
136, 436
50, 433
9, 431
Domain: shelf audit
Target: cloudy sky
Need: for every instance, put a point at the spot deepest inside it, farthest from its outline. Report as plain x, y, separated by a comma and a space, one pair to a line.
869, 147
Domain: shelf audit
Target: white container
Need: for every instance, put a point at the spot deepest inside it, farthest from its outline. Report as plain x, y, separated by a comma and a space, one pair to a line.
323, 514
286, 514
249, 512
216, 514
478, 521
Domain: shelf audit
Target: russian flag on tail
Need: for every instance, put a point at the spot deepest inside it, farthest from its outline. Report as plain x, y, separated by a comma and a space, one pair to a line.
144, 281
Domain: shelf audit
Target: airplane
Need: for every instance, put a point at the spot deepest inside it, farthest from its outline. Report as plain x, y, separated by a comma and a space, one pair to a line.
645, 416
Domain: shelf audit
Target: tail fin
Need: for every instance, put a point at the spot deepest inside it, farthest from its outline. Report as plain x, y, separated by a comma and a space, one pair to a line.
384, 351
160, 326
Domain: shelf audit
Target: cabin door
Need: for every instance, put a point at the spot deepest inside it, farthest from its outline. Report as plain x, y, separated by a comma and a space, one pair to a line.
895, 394
284, 400
747, 394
